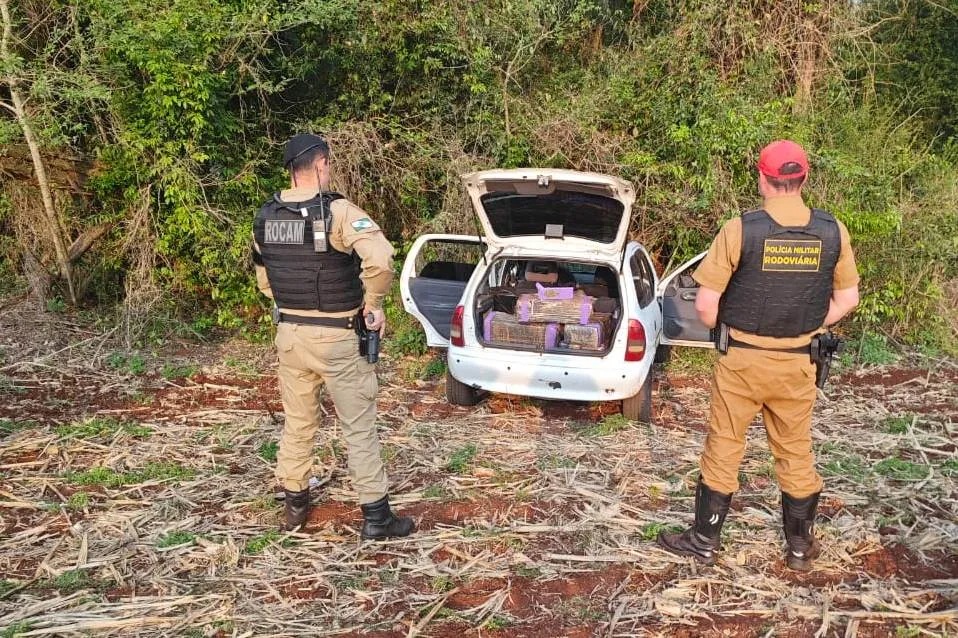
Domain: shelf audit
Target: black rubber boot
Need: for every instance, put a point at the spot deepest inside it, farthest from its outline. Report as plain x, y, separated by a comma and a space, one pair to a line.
702, 539
297, 508
379, 522
798, 519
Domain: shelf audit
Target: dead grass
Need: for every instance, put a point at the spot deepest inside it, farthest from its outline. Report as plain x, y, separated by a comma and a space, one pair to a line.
531, 524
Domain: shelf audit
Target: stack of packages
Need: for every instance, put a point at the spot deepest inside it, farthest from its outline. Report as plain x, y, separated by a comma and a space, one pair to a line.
551, 317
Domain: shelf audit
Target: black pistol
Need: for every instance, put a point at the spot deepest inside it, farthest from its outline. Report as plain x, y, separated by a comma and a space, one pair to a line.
368, 339
823, 350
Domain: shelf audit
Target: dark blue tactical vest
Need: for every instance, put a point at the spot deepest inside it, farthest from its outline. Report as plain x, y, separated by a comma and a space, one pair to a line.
300, 277
783, 283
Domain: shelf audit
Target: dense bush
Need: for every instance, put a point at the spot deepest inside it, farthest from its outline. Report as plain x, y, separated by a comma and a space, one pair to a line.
178, 110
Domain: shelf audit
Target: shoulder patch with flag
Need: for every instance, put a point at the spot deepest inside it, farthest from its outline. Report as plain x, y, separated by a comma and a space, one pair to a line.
362, 224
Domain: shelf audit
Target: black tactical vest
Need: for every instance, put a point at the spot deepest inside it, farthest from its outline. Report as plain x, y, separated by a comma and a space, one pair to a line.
783, 283
300, 277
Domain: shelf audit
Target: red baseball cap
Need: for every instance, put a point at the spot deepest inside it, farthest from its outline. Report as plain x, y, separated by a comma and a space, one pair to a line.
779, 153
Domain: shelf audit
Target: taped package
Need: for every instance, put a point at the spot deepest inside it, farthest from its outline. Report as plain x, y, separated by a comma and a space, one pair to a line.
503, 328
531, 308
593, 335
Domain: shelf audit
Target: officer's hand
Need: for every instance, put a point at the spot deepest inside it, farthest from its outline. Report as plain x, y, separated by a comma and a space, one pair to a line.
378, 318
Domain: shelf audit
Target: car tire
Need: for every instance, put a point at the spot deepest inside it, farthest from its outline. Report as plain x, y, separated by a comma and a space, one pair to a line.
639, 407
458, 393
662, 353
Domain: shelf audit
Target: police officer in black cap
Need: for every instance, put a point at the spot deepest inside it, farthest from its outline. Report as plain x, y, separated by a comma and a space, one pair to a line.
326, 264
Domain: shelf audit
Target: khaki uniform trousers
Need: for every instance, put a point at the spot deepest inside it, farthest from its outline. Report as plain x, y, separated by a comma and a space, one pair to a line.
310, 356
782, 386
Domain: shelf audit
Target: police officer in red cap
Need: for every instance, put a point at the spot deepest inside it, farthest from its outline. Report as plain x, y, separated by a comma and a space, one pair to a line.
774, 278
322, 260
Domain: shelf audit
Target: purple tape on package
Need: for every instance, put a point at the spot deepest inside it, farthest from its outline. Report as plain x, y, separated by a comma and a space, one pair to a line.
563, 293
552, 336
524, 308
585, 311
487, 325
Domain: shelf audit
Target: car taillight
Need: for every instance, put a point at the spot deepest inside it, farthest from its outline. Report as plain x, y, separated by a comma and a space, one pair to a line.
635, 346
455, 328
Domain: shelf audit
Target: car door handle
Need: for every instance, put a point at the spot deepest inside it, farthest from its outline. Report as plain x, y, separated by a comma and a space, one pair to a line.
689, 295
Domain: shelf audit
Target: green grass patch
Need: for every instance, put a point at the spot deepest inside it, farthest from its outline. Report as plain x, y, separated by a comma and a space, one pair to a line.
528, 571
435, 368
131, 363
949, 467
852, 467
103, 428
257, 544
896, 424
71, 581
691, 360
651, 531
900, 469
7, 586
873, 349
496, 622
267, 451
462, 459
108, 477
8, 427
555, 462
78, 501
176, 538
16, 629
610, 424
173, 371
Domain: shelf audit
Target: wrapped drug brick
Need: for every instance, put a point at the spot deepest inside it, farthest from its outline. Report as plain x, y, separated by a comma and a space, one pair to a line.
593, 335
504, 329
575, 308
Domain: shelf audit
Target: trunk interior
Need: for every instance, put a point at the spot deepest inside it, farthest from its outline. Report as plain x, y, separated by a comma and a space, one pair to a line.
553, 306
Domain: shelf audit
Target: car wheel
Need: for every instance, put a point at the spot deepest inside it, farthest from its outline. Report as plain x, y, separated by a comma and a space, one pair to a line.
458, 393
639, 407
662, 353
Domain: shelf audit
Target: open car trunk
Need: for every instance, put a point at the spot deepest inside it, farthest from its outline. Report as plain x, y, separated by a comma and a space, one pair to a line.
541, 305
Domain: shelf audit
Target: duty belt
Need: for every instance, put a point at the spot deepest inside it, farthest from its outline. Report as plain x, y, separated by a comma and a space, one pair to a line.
735, 343
329, 322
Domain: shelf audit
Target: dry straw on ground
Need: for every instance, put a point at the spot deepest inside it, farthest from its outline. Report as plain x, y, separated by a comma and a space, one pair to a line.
535, 516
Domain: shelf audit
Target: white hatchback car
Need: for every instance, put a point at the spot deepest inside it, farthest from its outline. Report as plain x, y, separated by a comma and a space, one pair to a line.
579, 222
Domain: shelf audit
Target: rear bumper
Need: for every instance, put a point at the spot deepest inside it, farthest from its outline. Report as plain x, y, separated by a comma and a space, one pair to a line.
549, 376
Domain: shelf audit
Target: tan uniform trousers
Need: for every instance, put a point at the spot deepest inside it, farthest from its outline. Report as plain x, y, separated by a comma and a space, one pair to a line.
310, 356
782, 386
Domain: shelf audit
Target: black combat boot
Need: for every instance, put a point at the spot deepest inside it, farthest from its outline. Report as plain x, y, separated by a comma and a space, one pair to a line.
798, 519
379, 522
702, 539
297, 508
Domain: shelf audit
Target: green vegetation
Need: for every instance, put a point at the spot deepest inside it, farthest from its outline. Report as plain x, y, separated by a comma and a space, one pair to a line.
130, 363
181, 105
16, 629
108, 477
436, 492
78, 501
950, 467
610, 424
176, 538
172, 371
851, 466
257, 544
7, 586
900, 469
72, 580
103, 428
896, 424
496, 622
651, 531
267, 451
8, 427
461, 459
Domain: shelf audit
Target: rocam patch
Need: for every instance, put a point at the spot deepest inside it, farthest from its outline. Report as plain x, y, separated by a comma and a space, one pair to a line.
284, 231
363, 223
792, 255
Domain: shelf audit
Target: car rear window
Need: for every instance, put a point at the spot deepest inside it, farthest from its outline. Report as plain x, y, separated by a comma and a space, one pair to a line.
584, 215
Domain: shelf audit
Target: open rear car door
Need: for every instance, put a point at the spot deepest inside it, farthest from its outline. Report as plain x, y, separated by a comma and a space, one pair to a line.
434, 277
681, 325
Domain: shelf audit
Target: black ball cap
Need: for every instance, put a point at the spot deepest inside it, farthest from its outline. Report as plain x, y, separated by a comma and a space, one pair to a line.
302, 143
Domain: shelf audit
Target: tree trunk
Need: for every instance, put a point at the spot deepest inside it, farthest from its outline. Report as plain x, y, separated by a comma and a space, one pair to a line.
19, 111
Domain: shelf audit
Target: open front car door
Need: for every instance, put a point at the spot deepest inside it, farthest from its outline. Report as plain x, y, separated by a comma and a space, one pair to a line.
434, 277
681, 325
